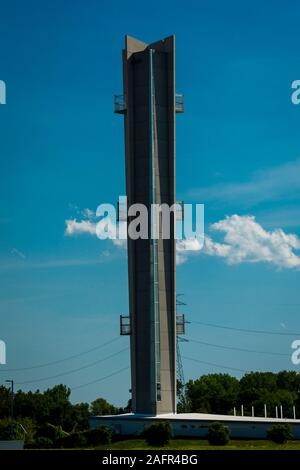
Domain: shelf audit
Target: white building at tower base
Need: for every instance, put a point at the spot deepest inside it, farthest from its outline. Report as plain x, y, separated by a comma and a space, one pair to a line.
194, 424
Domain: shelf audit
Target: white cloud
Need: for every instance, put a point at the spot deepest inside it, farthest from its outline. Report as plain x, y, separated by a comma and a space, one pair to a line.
77, 228
247, 241
105, 227
244, 241
184, 248
108, 229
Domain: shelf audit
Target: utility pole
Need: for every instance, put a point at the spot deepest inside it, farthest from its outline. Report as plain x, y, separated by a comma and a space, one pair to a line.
11, 382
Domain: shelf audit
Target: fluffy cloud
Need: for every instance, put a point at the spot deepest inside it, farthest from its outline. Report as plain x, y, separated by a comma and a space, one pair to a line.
244, 241
104, 229
78, 228
247, 241
184, 248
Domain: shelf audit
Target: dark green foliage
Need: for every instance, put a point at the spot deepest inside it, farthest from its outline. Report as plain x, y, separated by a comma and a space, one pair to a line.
91, 438
24, 429
183, 405
218, 434
42, 443
4, 401
220, 393
212, 393
76, 439
158, 434
51, 432
102, 407
280, 433
79, 417
4, 429
52, 414
101, 435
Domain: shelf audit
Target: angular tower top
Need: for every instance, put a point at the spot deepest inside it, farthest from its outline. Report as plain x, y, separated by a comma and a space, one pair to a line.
135, 45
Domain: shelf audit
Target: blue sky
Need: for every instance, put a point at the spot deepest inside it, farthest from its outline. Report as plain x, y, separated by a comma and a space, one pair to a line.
62, 151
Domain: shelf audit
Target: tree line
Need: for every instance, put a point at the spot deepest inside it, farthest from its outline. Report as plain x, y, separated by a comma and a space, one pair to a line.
50, 411
38, 412
221, 393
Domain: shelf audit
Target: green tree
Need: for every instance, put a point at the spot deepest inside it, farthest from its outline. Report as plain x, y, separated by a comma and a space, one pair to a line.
4, 401
254, 385
212, 393
183, 405
58, 404
78, 417
289, 380
101, 407
31, 404
260, 388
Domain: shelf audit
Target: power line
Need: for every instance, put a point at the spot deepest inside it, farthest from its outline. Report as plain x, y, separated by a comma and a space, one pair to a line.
244, 330
74, 370
215, 365
221, 346
59, 361
101, 379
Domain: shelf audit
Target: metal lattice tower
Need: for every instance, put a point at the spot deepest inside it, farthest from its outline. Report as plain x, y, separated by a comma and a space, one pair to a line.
179, 368
180, 373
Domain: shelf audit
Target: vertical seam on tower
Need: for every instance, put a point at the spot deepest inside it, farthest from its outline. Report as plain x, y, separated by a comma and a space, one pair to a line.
155, 314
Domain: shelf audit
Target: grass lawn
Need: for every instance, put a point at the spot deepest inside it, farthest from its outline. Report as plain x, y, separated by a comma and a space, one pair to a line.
197, 444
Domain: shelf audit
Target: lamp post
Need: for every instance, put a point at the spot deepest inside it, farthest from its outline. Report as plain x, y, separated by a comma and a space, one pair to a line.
11, 382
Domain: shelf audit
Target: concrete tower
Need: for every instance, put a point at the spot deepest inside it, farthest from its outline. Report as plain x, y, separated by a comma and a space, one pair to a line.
149, 105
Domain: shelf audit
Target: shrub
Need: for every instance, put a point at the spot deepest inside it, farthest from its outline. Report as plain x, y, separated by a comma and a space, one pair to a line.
76, 439
218, 434
158, 434
101, 435
4, 428
51, 431
279, 433
25, 430
42, 443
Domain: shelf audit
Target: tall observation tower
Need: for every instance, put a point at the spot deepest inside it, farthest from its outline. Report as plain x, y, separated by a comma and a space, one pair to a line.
149, 105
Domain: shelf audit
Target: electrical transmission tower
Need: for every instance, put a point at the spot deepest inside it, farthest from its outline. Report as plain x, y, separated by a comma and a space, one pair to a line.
181, 322
180, 373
